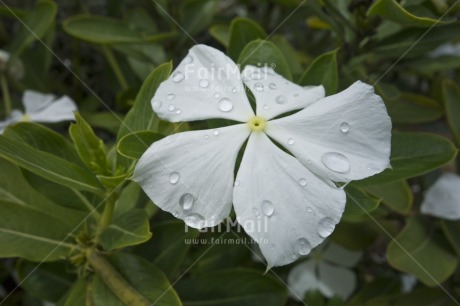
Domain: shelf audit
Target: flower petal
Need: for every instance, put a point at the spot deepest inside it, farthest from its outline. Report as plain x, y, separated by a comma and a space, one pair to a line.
336, 280
275, 95
302, 278
206, 84
190, 174
443, 198
35, 101
281, 204
15, 116
60, 110
342, 137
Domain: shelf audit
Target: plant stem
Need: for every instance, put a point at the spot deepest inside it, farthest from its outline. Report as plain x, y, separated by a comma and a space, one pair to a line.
6, 94
108, 53
106, 218
117, 284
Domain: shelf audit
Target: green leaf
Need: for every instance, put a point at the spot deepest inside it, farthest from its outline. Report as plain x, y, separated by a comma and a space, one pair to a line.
417, 297
104, 120
137, 273
392, 10
197, 14
243, 31
353, 236
265, 52
36, 24
47, 281
322, 71
129, 229
221, 33
414, 249
232, 287
294, 58
103, 30
168, 248
451, 230
396, 195
77, 295
44, 139
90, 148
377, 287
409, 108
28, 232
49, 166
414, 154
141, 116
359, 204
451, 95
134, 145
403, 42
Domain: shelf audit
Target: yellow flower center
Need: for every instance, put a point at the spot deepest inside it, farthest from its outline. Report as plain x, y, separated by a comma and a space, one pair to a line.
257, 124
25, 118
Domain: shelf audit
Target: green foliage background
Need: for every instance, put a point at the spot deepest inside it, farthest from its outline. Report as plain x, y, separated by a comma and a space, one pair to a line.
74, 230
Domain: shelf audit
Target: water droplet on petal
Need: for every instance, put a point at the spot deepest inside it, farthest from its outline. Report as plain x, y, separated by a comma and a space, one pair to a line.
177, 76
203, 83
266, 106
309, 210
216, 95
178, 111
175, 213
171, 108
237, 183
303, 182
272, 86
170, 97
234, 89
225, 105
336, 162
216, 132
267, 208
259, 87
186, 201
188, 59
344, 127
309, 162
195, 220
281, 99
255, 211
303, 247
325, 227
156, 105
206, 136
372, 167
291, 141
174, 178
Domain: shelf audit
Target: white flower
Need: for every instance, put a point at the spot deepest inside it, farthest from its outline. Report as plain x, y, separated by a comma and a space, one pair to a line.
328, 271
443, 198
288, 203
43, 108
448, 49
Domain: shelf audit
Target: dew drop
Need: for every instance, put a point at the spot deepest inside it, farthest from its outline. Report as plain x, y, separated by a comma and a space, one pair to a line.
170, 97
291, 141
171, 108
266, 106
186, 201
225, 105
309, 210
303, 247
206, 136
203, 83
195, 220
178, 76
344, 127
325, 227
216, 95
259, 87
267, 208
336, 162
156, 105
281, 99
255, 211
174, 178
303, 182
188, 59
216, 132
272, 86
234, 89
237, 183
178, 111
